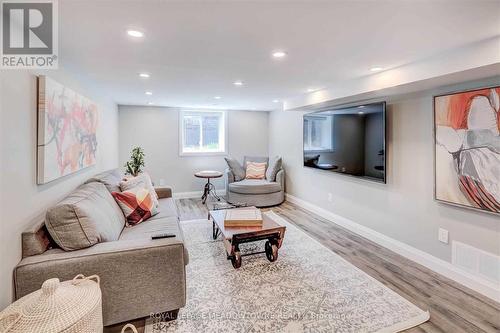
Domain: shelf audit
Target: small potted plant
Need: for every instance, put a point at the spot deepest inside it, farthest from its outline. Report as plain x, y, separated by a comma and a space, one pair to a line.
134, 166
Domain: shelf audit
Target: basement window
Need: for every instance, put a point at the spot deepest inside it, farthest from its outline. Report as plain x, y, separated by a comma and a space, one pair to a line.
202, 133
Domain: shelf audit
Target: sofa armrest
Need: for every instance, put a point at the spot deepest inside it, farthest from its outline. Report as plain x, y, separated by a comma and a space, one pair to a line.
35, 239
138, 276
280, 178
163, 192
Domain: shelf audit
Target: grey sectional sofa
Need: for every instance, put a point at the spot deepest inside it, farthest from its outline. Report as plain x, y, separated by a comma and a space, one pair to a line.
139, 276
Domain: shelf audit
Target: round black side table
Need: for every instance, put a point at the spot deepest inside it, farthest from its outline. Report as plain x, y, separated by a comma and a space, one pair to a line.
209, 187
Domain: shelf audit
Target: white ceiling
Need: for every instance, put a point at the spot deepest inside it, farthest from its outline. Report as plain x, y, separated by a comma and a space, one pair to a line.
195, 50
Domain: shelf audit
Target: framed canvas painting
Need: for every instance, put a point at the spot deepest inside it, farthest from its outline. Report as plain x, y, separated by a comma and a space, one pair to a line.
67, 128
467, 149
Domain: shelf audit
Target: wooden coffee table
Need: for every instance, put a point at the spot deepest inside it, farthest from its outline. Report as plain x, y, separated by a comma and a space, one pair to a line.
234, 236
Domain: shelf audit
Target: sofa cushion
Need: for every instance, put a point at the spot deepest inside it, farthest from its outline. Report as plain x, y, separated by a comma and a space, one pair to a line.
274, 166
254, 186
87, 216
167, 208
152, 227
111, 179
236, 168
149, 228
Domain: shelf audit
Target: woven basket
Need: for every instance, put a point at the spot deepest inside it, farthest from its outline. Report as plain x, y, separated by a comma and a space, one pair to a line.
132, 327
71, 307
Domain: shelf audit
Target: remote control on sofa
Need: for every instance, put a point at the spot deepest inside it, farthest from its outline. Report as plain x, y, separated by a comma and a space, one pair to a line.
160, 236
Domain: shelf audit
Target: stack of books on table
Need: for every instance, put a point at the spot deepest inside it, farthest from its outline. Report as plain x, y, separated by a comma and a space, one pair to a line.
243, 217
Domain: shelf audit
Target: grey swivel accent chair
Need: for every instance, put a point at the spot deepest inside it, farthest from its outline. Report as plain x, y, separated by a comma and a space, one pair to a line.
255, 192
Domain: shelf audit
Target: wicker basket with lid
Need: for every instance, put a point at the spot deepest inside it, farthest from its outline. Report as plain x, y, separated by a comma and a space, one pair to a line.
73, 306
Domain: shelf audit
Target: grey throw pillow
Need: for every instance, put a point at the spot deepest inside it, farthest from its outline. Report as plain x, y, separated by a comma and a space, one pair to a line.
87, 216
236, 168
275, 164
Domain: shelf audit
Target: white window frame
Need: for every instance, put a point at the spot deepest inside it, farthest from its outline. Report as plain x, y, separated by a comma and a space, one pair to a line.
224, 129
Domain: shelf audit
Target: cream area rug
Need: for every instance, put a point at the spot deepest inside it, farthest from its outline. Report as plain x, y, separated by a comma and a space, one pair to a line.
308, 289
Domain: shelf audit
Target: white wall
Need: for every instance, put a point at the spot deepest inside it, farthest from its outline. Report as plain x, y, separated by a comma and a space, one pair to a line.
402, 209
473, 61
21, 200
156, 129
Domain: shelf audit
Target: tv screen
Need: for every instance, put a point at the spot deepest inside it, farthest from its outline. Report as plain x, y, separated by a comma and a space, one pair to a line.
348, 140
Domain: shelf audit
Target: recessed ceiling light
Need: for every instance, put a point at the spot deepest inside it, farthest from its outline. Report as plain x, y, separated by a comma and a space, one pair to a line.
361, 106
360, 112
311, 90
150, 103
376, 69
279, 54
238, 83
217, 97
148, 93
135, 33
276, 100
144, 75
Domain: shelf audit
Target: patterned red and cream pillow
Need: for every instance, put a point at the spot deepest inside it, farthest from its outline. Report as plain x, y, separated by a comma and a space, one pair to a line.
256, 170
141, 180
137, 204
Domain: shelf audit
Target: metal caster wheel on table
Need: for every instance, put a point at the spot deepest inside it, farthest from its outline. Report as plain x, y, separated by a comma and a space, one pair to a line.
236, 260
271, 251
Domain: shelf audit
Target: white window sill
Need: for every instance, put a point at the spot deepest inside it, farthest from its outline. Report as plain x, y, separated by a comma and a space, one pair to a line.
319, 150
201, 154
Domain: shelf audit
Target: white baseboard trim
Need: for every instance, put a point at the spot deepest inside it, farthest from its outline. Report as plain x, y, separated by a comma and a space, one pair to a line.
440, 266
194, 194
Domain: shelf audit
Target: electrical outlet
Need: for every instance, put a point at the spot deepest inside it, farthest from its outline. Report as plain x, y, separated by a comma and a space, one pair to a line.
330, 197
162, 182
443, 235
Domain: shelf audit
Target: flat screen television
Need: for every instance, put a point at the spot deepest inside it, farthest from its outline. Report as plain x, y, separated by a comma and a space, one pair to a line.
347, 140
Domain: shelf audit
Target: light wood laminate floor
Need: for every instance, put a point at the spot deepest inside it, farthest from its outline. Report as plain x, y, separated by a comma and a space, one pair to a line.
453, 307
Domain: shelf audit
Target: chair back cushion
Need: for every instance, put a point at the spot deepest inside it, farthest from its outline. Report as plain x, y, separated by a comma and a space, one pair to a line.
87, 216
